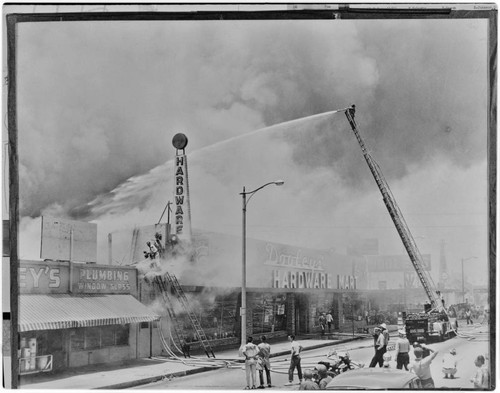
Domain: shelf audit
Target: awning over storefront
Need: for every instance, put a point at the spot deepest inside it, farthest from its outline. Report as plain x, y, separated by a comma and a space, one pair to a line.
48, 312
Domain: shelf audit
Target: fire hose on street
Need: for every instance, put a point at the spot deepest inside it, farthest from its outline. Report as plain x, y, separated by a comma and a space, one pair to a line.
193, 361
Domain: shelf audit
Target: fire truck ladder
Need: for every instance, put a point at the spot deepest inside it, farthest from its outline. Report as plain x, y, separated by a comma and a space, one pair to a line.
192, 316
396, 215
162, 286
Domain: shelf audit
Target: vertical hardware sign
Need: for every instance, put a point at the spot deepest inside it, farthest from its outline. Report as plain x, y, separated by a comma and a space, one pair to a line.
180, 193
182, 208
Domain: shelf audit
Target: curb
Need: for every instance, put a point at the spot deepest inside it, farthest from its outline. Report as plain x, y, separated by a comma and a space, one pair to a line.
144, 381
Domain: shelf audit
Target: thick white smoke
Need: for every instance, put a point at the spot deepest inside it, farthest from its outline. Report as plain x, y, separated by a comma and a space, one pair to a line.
96, 117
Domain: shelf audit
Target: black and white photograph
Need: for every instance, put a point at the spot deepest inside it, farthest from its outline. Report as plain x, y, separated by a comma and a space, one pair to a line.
233, 196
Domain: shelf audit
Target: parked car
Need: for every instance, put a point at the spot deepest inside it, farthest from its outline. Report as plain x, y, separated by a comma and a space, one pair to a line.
375, 379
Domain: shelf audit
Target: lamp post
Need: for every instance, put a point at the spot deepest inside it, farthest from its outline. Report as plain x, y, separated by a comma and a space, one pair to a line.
243, 311
463, 287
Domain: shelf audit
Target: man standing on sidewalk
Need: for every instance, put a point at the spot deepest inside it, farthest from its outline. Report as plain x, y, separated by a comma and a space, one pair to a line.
250, 352
294, 360
322, 323
264, 354
329, 320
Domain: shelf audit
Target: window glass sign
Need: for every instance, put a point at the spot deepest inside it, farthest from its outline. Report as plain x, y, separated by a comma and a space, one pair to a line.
103, 279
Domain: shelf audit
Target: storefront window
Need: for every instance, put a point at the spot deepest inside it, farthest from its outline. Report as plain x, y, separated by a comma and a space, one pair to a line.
218, 317
269, 313
99, 337
93, 338
108, 337
54, 342
33, 343
78, 339
121, 334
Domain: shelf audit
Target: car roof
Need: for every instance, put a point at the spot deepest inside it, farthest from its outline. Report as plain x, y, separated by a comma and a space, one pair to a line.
372, 378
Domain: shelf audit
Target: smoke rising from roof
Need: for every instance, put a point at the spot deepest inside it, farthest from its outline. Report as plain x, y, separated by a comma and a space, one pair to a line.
99, 113
96, 117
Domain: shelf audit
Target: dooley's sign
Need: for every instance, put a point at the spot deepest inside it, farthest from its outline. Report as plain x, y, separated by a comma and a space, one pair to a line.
293, 258
43, 277
101, 279
303, 268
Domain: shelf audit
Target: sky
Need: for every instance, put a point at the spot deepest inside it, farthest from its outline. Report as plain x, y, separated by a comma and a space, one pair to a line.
99, 104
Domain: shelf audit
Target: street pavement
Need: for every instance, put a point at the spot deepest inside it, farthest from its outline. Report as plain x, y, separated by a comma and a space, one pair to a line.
143, 371
473, 340
163, 373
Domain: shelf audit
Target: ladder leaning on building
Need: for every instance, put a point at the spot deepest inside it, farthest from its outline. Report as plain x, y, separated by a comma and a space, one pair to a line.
161, 285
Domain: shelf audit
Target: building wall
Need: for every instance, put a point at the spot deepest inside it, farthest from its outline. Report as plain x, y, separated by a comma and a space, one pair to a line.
144, 348
54, 277
217, 262
108, 354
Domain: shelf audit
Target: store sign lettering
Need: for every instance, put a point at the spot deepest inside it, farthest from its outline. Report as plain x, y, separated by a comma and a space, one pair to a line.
33, 276
90, 280
346, 282
102, 286
300, 279
98, 274
292, 260
180, 190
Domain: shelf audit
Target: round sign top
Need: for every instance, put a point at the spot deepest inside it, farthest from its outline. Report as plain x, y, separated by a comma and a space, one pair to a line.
180, 141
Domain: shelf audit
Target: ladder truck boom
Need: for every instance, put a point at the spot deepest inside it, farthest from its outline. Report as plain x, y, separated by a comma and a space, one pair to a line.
396, 215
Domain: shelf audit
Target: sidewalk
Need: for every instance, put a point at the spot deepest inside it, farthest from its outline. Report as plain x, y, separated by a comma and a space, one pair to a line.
142, 371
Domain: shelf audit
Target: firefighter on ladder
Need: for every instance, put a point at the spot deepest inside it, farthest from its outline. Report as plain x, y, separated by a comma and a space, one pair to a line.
155, 249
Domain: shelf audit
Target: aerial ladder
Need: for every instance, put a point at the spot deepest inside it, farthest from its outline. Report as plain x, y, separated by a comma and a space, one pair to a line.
396, 215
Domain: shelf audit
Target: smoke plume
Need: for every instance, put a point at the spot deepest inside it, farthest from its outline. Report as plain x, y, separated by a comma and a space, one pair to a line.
97, 114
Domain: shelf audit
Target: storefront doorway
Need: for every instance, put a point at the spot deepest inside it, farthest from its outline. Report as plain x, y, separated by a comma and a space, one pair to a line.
302, 314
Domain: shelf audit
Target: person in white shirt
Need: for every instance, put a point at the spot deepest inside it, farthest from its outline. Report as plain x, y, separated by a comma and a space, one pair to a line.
264, 353
402, 351
329, 320
295, 359
450, 364
250, 352
378, 358
385, 332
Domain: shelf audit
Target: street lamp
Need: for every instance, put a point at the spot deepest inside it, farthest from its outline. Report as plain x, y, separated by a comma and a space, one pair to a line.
243, 261
463, 288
